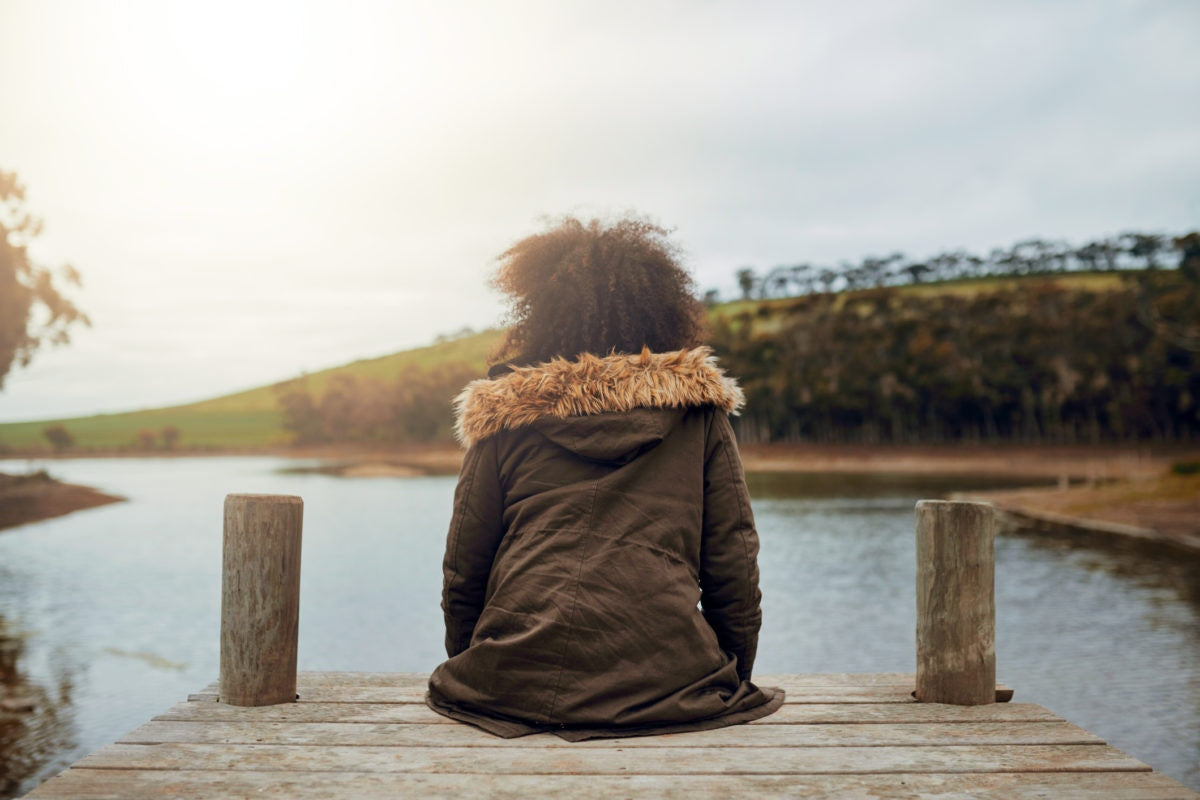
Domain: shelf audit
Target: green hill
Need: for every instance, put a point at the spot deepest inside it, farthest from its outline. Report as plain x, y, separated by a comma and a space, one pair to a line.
1065, 359
249, 419
253, 419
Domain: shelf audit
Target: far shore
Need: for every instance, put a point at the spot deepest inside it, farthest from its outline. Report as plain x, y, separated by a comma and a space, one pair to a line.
1121, 491
1066, 465
1161, 513
1070, 462
37, 496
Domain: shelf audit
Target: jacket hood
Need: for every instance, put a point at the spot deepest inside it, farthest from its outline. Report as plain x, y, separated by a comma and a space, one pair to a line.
603, 390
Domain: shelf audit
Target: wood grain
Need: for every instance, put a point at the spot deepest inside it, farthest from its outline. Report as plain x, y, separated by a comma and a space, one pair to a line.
379, 694
122, 784
260, 598
438, 735
956, 605
356, 749
618, 760
384, 694
794, 713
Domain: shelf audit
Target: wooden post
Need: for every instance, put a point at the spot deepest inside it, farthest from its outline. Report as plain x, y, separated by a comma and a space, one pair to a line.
956, 603
260, 599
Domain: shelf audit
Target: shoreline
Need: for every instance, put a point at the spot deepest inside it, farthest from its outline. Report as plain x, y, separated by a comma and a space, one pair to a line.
1070, 463
1075, 462
1161, 512
1102, 492
25, 499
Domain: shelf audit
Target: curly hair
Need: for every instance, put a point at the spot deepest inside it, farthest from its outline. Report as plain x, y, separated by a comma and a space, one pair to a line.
595, 288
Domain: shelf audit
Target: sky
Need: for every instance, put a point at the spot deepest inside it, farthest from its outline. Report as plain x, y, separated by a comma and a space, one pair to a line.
251, 190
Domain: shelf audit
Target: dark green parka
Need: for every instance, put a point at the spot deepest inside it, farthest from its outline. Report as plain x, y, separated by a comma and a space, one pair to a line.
601, 573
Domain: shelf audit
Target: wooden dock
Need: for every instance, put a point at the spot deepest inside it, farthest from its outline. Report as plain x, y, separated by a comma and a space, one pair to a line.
363, 735
367, 735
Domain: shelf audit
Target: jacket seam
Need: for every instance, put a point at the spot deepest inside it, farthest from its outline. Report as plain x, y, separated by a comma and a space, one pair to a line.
562, 657
473, 468
744, 623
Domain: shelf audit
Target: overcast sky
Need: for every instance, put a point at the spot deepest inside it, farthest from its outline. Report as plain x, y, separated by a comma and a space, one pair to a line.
251, 190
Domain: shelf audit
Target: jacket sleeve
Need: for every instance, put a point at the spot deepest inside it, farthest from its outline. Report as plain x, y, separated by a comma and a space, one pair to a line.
476, 528
729, 592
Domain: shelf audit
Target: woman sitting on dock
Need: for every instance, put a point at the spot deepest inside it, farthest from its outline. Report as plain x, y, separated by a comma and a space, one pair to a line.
601, 573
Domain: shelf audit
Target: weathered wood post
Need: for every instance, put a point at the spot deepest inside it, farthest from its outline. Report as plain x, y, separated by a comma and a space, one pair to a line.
260, 599
956, 603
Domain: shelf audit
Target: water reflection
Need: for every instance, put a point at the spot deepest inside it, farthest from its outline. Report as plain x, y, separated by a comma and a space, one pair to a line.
1147, 565
1108, 638
36, 721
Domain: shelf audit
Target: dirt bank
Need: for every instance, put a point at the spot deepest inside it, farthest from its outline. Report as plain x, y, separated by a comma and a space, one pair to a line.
37, 496
1162, 510
1059, 463
368, 468
1072, 464
1075, 463
367, 462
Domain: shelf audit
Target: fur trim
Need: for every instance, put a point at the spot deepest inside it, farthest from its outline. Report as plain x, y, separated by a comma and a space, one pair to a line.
594, 385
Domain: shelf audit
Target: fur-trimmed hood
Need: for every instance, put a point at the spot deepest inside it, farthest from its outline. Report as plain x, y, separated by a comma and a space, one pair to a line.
593, 385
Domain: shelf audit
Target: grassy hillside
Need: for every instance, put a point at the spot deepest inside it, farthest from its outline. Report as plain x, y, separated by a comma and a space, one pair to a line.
1065, 359
252, 419
771, 315
248, 419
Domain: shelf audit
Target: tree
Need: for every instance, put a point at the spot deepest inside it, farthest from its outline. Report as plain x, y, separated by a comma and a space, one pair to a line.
1144, 246
300, 414
775, 282
1188, 246
802, 276
59, 437
1167, 301
170, 437
746, 280
875, 270
33, 310
916, 271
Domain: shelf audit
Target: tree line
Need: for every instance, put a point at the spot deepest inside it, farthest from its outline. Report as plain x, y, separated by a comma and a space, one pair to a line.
412, 407
63, 440
1036, 361
1127, 251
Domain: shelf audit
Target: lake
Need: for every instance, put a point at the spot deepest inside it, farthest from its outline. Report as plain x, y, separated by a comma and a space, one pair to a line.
116, 609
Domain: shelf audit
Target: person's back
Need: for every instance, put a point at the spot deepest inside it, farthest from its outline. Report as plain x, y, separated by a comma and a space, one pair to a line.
601, 500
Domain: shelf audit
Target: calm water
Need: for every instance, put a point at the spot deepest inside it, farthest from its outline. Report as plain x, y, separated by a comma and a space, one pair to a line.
118, 607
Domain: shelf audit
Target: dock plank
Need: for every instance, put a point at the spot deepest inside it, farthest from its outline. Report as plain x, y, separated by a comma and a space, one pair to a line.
797, 713
338, 687
407, 694
118, 784
618, 761
811, 735
419, 679
370, 735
